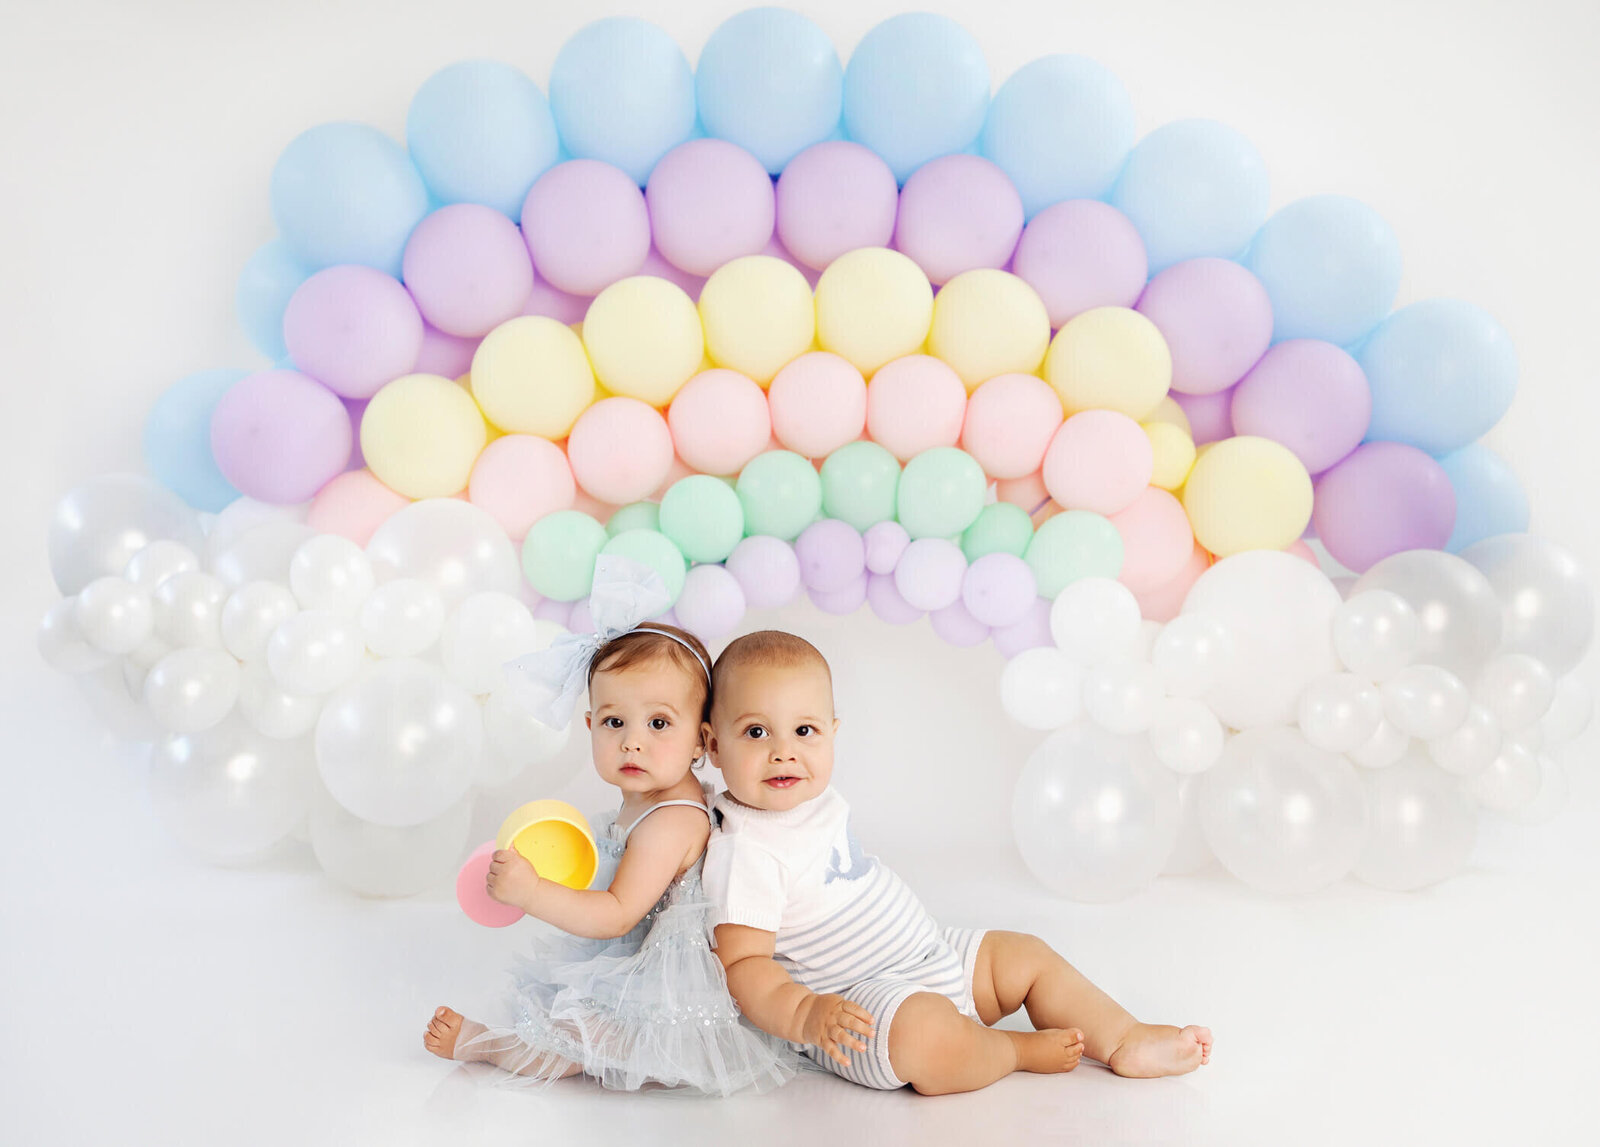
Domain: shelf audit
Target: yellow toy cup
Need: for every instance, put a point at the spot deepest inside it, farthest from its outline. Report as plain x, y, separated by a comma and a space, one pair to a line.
555, 838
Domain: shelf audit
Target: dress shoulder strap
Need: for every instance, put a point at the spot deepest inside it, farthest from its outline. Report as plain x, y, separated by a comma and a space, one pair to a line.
664, 804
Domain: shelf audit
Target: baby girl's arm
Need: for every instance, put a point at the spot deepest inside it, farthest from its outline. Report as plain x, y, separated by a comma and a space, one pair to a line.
657, 851
779, 1006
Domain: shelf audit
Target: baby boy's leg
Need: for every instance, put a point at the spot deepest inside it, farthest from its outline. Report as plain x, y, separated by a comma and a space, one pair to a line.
937, 1050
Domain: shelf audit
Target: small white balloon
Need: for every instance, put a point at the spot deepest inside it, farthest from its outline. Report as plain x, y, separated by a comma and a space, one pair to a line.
1340, 712
1518, 689
242, 515
1041, 688
61, 643
158, 561
485, 631
1469, 748
1095, 619
1382, 749
100, 525
136, 666
250, 615
330, 572
402, 618
114, 615
456, 546
1425, 701
1423, 826
1187, 736
1569, 713
1123, 697
1191, 653
1511, 781
262, 553
191, 690
188, 609
515, 740
1547, 803
1149, 631
1375, 633
314, 652
271, 711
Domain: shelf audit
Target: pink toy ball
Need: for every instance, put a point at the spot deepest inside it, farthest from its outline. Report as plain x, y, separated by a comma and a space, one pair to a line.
956, 625
914, 404
1309, 395
1010, 421
834, 197
767, 570
1079, 255
1384, 498
958, 213
353, 505
472, 891
586, 226
1027, 492
620, 450
710, 202
846, 599
353, 329
1156, 540
719, 421
446, 355
1216, 319
519, 478
1164, 602
1099, 460
819, 403
279, 436
1210, 415
998, 590
886, 601
468, 269
1032, 632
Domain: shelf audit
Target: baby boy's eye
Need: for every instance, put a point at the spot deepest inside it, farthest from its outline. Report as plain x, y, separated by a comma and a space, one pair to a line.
755, 732
658, 723
805, 730
612, 722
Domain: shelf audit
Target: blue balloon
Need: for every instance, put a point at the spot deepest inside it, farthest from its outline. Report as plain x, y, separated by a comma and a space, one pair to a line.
262, 293
347, 193
1331, 267
177, 439
1061, 128
915, 89
481, 132
769, 81
1442, 372
1489, 498
1192, 188
622, 92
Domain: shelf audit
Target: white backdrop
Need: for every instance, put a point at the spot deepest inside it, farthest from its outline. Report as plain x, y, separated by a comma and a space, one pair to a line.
148, 998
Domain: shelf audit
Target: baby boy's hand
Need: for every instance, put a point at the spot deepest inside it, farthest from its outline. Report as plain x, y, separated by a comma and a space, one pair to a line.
511, 879
834, 1023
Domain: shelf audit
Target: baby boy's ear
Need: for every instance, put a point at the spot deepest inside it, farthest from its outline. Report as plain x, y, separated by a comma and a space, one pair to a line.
708, 740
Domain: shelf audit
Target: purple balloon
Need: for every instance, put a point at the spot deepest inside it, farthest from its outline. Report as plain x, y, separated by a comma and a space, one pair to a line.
710, 202
447, 356
352, 329
886, 601
885, 542
468, 269
831, 555
1079, 255
557, 611
1031, 632
1308, 395
930, 573
1384, 498
999, 589
956, 625
958, 213
279, 436
356, 408
846, 599
1210, 415
767, 570
586, 226
1216, 319
833, 197
711, 604
580, 620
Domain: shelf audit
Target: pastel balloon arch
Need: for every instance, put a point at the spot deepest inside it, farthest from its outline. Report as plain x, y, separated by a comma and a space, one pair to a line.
866, 332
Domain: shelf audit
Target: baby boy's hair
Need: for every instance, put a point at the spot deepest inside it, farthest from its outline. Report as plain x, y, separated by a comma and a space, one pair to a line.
650, 642
768, 649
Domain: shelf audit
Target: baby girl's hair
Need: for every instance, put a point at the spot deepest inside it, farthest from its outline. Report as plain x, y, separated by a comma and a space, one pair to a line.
768, 649
650, 642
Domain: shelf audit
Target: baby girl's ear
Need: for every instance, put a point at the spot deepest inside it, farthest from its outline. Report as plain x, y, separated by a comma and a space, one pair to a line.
588, 723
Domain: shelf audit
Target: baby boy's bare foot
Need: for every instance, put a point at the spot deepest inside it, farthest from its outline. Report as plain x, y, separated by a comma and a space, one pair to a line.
445, 1031
1161, 1049
1048, 1052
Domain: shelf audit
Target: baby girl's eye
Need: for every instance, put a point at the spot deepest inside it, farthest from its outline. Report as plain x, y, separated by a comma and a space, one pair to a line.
658, 723
755, 732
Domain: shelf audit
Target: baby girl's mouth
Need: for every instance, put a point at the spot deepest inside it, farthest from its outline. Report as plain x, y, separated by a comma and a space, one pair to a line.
632, 771
781, 782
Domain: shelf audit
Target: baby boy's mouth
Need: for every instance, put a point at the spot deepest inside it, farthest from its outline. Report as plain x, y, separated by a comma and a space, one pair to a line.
781, 782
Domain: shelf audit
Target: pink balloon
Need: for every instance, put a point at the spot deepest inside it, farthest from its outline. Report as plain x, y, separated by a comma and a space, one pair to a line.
835, 197
1099, 460
1305, 553
1079, 255
914, 404
656, 264
585, 503
473, 895
586, 226
1309, 395
846, 599
279, 436
1027, 492
719, 421
887, 603
1032, 632
956, 625
448, 356
1010, 421
710, 202
353, 505
519, 478
958, 213
1165, 601
468, 269
352, 329
550, 303
1210, 415
1216, 319
1156, 539
620, 450
819, 403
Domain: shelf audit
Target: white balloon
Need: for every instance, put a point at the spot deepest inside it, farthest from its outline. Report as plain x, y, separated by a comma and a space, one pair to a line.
1386, 746
1471, 746
1423, 826
191, 690
136, 666
1149, 632
485, 631
1425, 701
1375, 634
516, 740
1518, 689
1041, 688
62, 644
455, 546
332, 573
1551, 797
1191, 653
261, 553
99, 526
188, 609
1511, 781
158, 561
402, 618
229, 793
271, 711
114, 615
1547, 601
1095, 619
314, 652
1457, 614
1191, 853
242, 515
1186, 735
1122, 697
1569, 712
377, 860
250, 615
1340, 712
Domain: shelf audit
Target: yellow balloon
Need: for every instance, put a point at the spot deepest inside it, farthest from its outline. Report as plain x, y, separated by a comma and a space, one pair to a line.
1247, 494
989, 322
1168, 410
873, 305
1174, 454
644, 339
758, 315
421, 434
531, 376
1110, 358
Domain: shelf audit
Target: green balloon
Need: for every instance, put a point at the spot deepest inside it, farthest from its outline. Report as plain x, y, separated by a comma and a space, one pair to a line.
941, 493
635, 516
1072, 545
558, 554
654, 549
703, 517
781, 494
1000, 529
859, 483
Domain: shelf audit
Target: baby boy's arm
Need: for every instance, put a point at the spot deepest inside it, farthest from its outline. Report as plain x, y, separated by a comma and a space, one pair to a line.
779, 1006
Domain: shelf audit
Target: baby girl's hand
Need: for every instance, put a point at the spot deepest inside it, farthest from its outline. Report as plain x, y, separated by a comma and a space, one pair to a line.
511, 879
832, 1023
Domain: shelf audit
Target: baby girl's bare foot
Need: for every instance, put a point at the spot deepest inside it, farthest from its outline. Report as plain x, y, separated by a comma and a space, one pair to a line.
1048, 1052
445, 1031
1161, 1049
